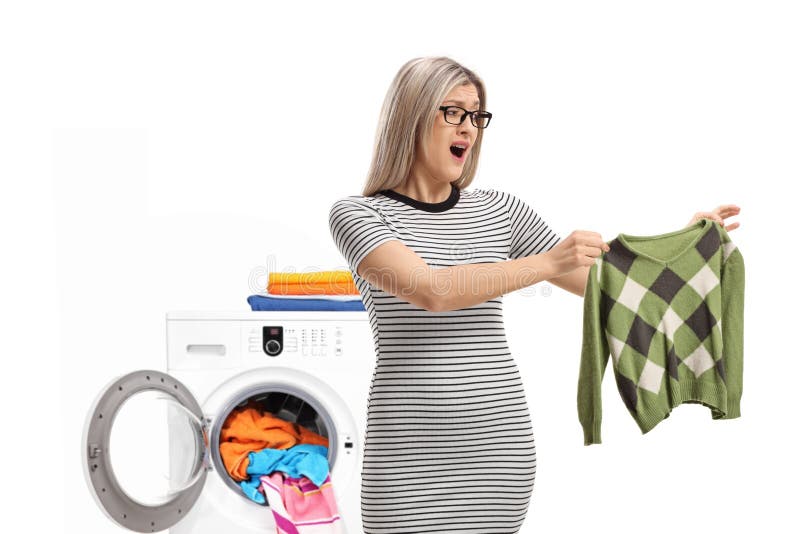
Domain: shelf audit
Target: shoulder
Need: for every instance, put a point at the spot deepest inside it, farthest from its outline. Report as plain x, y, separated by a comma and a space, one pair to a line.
494, 196
483, 194
491, 193
355, 202
515, 206
353, 208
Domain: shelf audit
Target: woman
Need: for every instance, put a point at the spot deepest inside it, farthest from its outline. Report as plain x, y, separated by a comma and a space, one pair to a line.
449, 444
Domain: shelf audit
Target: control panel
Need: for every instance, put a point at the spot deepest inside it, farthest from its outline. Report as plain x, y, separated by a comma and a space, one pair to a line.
290, 340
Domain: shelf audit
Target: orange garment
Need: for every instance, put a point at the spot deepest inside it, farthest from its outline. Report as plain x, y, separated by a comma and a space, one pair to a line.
313, 283
313, 289
315, 277
249, 430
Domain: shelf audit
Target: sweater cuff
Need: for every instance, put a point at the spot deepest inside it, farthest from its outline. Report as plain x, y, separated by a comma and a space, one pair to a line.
591, 434
733, 408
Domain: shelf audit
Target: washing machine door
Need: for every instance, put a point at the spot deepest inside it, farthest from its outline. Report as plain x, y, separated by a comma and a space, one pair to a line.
145, 450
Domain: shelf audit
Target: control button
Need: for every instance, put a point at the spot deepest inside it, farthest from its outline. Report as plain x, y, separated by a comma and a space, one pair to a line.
272, 347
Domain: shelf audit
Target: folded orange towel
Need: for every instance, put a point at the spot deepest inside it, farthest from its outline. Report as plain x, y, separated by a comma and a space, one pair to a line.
315, 277
314, 283
249, 430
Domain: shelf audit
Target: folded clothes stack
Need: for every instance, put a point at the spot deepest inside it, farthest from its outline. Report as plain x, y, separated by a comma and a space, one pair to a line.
312, 291
313, 283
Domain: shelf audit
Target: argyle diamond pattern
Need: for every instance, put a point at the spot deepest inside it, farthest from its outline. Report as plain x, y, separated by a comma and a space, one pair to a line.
666, 285
655, 304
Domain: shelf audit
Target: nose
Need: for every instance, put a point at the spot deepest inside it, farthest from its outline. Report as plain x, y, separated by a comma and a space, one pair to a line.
466, 127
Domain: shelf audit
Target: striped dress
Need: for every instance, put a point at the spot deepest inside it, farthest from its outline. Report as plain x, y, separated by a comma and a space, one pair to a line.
449, 445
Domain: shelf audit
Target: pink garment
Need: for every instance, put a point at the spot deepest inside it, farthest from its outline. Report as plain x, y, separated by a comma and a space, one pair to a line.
300, 507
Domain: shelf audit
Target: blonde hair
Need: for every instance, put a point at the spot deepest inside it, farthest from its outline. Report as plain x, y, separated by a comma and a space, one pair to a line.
407, 118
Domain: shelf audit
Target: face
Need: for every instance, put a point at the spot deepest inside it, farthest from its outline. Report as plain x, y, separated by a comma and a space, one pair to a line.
441, 164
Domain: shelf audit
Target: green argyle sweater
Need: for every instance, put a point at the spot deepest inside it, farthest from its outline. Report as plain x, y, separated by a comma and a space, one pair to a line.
669, 310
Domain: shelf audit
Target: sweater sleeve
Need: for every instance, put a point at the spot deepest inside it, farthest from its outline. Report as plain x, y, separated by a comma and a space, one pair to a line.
732, 323
594, 359
530, 234
357, 230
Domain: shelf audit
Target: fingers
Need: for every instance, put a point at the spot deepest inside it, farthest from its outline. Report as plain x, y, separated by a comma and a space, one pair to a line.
706, 215
713, 216
591, 239
726, 210
595, 252
594, 247
721, 213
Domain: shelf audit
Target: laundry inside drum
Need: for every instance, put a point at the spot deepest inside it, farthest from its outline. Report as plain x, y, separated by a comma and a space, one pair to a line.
272, 420
290, 408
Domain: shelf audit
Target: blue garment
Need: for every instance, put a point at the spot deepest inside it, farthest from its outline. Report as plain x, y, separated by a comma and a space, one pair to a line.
264, 303
306, 460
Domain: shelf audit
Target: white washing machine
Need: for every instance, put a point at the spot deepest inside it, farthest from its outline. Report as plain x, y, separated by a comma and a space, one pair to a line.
151, 440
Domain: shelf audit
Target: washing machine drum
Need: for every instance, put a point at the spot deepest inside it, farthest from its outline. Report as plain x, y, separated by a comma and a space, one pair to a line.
276, 418
288, 407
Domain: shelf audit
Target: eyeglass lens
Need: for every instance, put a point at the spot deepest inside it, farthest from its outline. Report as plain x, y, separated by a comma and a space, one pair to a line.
480, 119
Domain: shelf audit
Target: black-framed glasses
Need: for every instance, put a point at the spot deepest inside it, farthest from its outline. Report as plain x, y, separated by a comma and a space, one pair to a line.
456, 115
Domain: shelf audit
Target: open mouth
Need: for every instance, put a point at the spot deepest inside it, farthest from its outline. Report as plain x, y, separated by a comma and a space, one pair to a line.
458, 151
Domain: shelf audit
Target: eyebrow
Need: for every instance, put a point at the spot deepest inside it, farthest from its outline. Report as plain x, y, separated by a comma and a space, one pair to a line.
459, 102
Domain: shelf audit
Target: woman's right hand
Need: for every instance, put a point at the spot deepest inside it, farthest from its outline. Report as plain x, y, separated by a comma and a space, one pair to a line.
578, 249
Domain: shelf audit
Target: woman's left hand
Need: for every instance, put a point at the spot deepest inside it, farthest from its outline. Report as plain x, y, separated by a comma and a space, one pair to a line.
718, 215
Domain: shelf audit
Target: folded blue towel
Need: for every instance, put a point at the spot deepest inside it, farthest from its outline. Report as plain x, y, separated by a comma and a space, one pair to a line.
264, 303
306, 460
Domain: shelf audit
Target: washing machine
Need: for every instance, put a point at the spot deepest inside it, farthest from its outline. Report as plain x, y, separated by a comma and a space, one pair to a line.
151, 441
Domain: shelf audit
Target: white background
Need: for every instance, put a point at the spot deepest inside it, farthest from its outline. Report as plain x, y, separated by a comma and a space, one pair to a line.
162, 156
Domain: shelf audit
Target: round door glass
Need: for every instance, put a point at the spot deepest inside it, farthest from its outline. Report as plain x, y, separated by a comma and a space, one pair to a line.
155, 447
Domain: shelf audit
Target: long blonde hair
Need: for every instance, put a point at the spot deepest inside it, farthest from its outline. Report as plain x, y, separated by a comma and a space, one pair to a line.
407, 117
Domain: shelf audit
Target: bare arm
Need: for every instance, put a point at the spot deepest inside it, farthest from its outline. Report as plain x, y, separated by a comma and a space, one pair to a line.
398, 270
574, 282
462, 286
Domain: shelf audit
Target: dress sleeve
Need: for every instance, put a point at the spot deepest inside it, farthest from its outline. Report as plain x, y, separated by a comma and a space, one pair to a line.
357, 229
530, 234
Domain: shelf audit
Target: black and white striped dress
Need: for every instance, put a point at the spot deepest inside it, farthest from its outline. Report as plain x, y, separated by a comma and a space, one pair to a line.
449, 444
